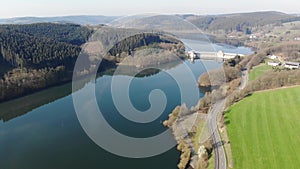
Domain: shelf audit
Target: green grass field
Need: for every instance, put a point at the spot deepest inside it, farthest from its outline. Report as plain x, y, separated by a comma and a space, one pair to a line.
258, 71
211, 162
264, 130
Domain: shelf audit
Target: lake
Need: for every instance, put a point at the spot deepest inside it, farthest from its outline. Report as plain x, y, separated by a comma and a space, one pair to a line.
42, 130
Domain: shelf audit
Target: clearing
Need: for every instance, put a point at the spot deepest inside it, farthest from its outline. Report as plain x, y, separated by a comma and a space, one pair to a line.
264, 130
258, 71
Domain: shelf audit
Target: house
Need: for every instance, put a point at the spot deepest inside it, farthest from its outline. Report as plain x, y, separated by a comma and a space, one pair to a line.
297, 39
272, 57
253, 37
274, 64
292, 65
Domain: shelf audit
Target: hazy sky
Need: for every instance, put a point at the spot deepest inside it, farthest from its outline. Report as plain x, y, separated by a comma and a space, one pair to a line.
14, 8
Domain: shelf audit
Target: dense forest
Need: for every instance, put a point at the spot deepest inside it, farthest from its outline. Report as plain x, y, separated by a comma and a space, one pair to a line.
139, 40
36, 56
41, 45
160, 49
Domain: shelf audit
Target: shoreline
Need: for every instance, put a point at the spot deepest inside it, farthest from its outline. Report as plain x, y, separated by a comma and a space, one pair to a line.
20, 106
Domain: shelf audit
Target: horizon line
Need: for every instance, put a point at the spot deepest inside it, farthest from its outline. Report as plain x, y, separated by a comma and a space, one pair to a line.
183, 13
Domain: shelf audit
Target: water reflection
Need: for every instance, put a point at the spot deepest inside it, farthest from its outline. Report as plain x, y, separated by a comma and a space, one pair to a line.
18, 107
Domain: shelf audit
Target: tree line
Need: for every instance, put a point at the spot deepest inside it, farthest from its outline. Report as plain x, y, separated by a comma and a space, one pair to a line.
243, 22
36, 56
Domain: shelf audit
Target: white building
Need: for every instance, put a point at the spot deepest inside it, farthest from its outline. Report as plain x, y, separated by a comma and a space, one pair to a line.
274, 64
253, 37
292, 65
272, 57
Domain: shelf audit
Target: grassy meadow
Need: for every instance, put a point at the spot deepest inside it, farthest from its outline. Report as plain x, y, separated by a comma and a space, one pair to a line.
264, 130
258, 71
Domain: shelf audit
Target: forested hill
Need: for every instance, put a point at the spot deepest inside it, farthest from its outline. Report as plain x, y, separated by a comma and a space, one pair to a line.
36, 56
130, 44
68, 33
81, 19
41, 45
241, 22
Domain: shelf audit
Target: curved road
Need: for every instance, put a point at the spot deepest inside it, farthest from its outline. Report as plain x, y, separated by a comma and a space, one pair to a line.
220, 158
218, 107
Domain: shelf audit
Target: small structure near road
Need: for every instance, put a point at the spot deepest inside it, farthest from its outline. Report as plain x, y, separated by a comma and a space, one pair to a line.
274, 64
253, 37
297, 38
292, 65
272, 57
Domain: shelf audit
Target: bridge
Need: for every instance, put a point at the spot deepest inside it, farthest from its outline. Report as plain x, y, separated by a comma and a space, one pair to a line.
193, 55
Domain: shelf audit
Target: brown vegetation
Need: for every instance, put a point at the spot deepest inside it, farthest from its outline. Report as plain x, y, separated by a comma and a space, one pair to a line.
288, 50
274, 79
204, 103
219, 76
231, 70
269, 80
172, 117
24, 81
185, 154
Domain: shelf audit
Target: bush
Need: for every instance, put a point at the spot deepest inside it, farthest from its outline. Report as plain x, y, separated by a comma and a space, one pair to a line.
219, 76
272, 79
185, 155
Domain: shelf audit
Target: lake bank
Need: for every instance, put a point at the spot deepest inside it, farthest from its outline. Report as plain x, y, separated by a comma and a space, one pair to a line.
58, 119
66, 137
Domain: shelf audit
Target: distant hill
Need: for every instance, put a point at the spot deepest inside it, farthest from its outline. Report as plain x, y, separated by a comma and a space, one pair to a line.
228, 22
173, 24
155, 22
242, 22
82, 20
190, 26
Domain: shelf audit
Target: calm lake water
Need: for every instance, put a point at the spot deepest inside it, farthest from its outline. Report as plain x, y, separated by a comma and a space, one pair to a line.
42, 130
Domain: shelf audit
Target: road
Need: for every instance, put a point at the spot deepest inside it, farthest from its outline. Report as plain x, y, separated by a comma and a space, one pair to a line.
218, 107
220, 158
244, 79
